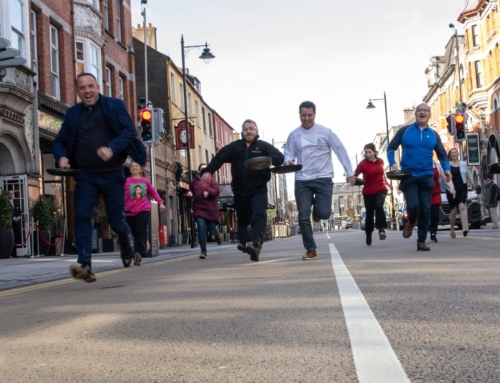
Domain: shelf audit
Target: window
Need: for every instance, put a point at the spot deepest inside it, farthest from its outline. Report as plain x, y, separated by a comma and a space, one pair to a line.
105, 15
121, 86
16, 12
190, 105
118, 20
181, 87
475, 36
54, 61
33, 43
210, 124
88, 59
172, 88
206, 157
109, 83
479, 82
203, 119
196, 108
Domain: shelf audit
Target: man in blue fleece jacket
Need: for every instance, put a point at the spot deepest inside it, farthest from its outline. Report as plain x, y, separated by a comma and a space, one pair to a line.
419, 142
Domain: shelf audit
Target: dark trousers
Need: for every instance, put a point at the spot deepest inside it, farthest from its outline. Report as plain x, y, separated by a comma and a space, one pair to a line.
318, 192
251, 210
88, 188
375, 203
139, 226
433, 227
203, 225
418, 196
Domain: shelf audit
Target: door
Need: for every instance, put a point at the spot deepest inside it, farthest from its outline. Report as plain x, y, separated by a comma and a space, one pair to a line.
20, 186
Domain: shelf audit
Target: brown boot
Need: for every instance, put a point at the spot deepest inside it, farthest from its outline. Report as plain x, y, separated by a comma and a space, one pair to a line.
309, 255
408, 230
421, 246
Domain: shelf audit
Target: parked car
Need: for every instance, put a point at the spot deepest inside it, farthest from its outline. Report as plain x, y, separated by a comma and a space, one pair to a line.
348, 223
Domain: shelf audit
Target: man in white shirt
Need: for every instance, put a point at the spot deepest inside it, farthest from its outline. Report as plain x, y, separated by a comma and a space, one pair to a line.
311, 145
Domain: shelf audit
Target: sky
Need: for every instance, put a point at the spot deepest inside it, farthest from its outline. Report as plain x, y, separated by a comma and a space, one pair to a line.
273, 54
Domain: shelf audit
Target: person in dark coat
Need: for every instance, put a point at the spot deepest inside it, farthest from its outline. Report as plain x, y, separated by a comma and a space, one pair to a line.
491, 202
205, 209
16, 221
96, 137
249, 186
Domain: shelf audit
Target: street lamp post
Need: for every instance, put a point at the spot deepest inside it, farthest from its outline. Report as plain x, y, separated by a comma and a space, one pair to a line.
371, 106
206, 56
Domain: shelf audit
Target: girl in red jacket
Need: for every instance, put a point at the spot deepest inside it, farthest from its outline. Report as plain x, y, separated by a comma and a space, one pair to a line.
205, 209
374, 191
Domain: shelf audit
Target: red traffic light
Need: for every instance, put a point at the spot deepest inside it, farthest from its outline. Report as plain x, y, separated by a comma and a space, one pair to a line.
146, 115
459, 118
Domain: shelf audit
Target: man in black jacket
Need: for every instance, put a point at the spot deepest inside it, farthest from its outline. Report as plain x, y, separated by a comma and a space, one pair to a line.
249, 186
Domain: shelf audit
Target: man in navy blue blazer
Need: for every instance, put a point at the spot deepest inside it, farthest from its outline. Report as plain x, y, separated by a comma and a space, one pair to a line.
96, 137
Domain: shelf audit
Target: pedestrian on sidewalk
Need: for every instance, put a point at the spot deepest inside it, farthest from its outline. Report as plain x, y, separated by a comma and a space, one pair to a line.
419, 143
490, 199
138, 209
205, 209
249, 186
96, 137
374, 191
460, 174
311, 146
436, 200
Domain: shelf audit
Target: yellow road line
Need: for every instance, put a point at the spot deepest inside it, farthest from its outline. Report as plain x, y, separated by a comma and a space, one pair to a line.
44, 285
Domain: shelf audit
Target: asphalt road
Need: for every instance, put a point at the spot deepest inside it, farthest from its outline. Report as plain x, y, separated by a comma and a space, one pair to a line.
384, 313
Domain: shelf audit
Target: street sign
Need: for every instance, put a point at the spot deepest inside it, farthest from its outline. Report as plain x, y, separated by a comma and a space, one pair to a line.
473, 151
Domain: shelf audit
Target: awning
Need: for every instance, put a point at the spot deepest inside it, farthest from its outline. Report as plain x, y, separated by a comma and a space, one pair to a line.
493, 154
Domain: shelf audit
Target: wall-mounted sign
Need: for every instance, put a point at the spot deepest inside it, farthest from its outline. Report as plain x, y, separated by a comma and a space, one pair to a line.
181, 136
473, 151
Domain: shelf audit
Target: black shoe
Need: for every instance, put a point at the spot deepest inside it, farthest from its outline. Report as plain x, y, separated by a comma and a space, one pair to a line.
368, 239
203, 255
219, 240
126, 251
82, 272
254, 251
433, 238
137, 259
242, 247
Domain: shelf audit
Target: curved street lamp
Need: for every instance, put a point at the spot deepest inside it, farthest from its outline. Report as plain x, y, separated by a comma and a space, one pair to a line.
206, 56
370, 106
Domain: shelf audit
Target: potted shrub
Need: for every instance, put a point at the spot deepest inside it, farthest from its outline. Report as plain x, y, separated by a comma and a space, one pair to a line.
6, 232
44, 213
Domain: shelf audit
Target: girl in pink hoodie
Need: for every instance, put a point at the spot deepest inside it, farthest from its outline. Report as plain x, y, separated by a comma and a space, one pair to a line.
138, 209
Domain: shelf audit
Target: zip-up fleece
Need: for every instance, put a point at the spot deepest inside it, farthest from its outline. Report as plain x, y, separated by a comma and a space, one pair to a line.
418, 146
246, 182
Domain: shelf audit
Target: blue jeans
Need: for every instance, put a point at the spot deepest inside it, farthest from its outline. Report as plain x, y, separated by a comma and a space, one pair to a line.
251, 209
203, 223
418, 196
87, 190
318, 192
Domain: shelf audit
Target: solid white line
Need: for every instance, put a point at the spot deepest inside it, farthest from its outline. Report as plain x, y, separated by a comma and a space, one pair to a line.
374, 358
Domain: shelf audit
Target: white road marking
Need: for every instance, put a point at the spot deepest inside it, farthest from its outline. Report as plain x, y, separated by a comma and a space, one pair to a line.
374, 358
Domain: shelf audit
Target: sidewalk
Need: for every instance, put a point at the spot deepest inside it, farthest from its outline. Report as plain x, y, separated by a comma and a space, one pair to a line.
23, 271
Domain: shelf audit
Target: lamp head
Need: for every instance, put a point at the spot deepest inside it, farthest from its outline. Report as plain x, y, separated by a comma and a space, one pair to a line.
370, 105
206, 56
451, 26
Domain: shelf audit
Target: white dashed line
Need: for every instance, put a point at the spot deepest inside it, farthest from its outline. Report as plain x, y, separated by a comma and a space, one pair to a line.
374, 358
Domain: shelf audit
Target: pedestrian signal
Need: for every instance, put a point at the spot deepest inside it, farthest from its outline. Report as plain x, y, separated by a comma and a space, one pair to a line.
459, 127
146, 125
450, 121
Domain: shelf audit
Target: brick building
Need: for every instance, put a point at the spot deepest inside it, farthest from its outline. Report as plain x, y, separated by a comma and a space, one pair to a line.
59, 39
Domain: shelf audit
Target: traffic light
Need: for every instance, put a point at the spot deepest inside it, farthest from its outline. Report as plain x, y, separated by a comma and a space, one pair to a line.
146, 125
459, 127
450, 121
158, 123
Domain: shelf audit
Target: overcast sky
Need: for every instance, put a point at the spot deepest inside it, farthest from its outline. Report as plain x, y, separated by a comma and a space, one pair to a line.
273, 54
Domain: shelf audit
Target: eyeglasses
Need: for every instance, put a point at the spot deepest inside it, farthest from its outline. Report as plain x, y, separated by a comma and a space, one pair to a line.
423, 111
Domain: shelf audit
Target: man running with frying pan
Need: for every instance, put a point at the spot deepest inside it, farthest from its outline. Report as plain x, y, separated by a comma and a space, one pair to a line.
249, 186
